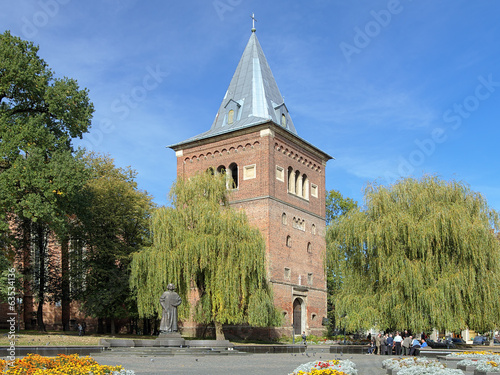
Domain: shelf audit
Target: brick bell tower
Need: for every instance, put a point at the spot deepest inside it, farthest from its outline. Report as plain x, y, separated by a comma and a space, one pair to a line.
279, 180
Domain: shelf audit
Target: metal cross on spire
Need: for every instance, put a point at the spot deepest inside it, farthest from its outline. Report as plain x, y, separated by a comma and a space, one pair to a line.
253, 22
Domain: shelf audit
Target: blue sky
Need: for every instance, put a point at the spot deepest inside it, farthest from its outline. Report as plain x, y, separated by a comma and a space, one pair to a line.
389, 88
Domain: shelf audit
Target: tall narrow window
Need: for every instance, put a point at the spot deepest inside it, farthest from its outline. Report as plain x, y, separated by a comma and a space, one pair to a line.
233, 176
288, 241
305, 187
283, 120
283, 219
298, 184
291, 180
230, 117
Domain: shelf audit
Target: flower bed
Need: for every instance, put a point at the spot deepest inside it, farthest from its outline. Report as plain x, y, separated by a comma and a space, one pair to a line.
333, 367
397, 364
34, 364
487, 366
483, 354
419, 370
467, 364
418, 366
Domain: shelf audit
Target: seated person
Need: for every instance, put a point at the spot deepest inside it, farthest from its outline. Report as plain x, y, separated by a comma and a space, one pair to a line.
371, 349
415, 346
423, 344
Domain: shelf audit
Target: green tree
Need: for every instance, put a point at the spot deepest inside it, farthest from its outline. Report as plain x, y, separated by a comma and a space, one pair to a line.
201, 241
115, 224
337, 206
5, 266
422, 255
39, 173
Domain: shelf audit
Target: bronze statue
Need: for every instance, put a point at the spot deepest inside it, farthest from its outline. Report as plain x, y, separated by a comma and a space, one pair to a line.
169, 301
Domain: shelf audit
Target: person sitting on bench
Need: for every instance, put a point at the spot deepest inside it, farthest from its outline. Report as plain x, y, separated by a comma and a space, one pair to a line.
415, 346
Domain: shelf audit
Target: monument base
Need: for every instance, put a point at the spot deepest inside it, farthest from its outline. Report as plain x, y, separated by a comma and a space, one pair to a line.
170, 339
169, 335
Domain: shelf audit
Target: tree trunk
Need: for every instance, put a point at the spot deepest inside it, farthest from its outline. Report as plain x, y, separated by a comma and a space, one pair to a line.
26, 271
41, 276
219, 332
65, 299
113, 328
39, 317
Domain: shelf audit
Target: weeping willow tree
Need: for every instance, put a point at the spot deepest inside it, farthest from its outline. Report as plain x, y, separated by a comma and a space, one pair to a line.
422, 254
201, 242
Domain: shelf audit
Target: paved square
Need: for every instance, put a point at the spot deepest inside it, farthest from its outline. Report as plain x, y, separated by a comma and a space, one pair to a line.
247, 364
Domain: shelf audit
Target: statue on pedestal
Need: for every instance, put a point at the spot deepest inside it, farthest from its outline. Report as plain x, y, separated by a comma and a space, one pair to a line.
169, 301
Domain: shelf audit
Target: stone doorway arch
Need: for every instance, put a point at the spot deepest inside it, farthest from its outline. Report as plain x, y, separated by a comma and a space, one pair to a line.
298, 316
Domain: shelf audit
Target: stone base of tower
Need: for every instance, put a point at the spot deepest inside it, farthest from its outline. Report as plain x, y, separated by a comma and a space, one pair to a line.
303, 309
245, 332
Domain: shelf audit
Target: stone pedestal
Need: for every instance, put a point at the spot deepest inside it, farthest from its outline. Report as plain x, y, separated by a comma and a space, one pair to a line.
170, 339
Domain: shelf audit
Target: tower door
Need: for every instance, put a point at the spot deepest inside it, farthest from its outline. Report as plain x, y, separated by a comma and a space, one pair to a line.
297, 317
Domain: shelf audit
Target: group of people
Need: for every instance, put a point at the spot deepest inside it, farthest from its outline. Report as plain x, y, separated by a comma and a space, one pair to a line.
398, 344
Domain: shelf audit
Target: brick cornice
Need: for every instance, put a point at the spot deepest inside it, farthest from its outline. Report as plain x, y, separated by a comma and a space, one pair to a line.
275, 130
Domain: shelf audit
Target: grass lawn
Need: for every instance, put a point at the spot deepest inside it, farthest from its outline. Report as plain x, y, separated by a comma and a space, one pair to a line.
56, 338
59, 338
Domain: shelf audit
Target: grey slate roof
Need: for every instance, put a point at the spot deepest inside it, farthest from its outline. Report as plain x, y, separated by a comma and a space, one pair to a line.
253, 96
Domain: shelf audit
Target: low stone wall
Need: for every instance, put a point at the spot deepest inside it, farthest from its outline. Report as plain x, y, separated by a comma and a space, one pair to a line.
164, 342
270, 349
52, 351
349, 349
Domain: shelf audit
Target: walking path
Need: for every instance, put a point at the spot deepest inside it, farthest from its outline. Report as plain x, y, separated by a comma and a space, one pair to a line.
245, 364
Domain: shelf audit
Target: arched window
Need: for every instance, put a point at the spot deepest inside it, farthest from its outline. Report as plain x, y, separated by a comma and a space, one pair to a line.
298, 184
230, 117
283, 219
291, 180
309, 248
221, 169
288, 241
305, 187
233, 176
313, 229
283, 120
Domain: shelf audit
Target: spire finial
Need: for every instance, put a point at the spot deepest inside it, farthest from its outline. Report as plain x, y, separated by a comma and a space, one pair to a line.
253, 22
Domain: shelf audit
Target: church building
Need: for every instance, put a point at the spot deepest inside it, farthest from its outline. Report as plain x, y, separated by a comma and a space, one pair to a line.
278, 178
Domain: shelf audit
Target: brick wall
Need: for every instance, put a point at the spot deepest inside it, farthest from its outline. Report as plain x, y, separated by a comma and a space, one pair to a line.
266, 156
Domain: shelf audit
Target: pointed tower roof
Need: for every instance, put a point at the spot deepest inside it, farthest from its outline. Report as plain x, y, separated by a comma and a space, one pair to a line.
252, 98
